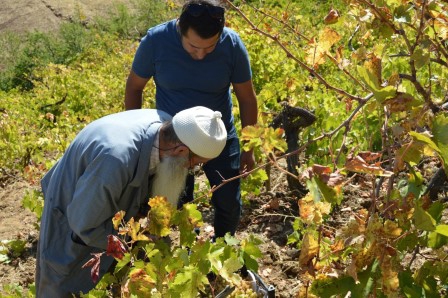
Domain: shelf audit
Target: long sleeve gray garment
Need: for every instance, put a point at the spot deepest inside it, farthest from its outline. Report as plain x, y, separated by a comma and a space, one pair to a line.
104, 170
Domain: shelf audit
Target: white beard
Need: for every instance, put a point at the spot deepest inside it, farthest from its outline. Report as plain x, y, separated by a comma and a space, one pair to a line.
169, 179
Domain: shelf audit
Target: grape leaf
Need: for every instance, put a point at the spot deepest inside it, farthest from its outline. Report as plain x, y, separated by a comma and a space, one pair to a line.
140, 283
309, 249
423, 220
94, 262
118, 217
160, 216
442, 230
115, 247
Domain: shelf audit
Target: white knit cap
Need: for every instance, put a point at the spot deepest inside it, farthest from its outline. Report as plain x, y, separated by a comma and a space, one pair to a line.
202, 130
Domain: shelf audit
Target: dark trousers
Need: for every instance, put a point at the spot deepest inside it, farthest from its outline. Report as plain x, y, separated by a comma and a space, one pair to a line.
227, 199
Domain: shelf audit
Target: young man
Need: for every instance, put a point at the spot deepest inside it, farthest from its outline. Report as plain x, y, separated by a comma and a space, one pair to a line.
115, 163
194, 60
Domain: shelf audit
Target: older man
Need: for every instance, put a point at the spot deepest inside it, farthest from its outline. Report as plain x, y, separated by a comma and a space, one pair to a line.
107, 168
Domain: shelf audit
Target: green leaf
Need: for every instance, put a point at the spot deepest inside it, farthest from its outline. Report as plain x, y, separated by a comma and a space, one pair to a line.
436, 240
230, 240
425, 276
420, 57
401, 14
408, 242
330, 287
368, 78
407, 283
231, 266
251, 249
384, 93
436, 210
415, 183
424, 139
440, 132
123, 262
372, 82
187, 219
251, 252
423, 220
442, 230
189, 281
250, 262
322, 192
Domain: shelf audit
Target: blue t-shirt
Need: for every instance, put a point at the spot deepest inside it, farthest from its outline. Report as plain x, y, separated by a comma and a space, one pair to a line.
182, 82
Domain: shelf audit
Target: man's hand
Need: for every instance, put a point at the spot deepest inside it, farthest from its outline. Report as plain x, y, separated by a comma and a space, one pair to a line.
247, 161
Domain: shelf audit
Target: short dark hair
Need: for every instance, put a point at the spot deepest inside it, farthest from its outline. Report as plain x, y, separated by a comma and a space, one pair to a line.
205, 25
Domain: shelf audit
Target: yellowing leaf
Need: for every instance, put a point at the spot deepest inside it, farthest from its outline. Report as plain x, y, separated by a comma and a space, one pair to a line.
268, 138
317, 51
309, 249
118, 217
373, 66
391, 229
390, 282
134, 231
313, 212
424, 138
328, 37
140, 283
306, 208
399, 103
160, 216
394, 79
251, 135
187, 219
411, 153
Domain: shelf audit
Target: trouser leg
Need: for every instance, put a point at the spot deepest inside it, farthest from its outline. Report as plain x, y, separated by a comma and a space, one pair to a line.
226, 199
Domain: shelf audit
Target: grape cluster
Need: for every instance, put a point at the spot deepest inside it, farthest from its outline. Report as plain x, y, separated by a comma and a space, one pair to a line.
244, 290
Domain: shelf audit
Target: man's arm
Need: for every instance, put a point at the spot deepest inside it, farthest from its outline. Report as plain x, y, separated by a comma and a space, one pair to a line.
134, 91
247, 102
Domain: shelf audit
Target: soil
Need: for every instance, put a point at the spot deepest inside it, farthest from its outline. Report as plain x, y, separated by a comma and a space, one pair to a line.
17, 223
22, 16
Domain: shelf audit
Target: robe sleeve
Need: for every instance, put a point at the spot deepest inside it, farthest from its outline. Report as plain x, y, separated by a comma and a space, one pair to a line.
96, 199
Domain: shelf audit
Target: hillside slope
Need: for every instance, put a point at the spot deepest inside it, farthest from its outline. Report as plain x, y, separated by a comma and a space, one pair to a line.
46, 15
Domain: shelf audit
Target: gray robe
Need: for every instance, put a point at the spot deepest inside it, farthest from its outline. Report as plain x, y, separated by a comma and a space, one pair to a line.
104, 170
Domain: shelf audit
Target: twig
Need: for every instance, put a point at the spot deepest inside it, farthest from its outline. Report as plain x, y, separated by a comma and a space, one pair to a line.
276, 181
290, 55
275, 214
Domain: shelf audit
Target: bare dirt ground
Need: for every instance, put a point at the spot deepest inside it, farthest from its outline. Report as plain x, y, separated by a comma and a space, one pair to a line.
21, 16
17, 223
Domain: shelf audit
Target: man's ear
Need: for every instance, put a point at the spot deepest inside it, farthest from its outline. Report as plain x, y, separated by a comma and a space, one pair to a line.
182, 150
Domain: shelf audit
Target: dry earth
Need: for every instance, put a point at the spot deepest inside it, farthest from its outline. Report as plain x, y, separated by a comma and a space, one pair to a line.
47, 15
17, 223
